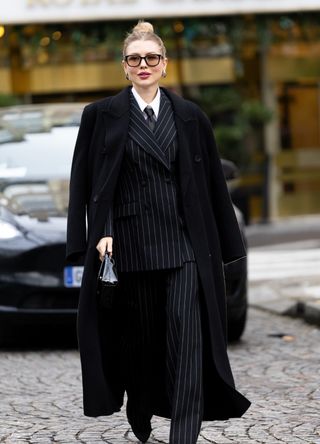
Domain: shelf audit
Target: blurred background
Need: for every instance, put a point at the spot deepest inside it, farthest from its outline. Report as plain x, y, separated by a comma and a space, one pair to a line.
253, 67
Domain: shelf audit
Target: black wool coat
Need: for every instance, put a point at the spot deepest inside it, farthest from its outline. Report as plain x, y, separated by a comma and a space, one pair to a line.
212, 228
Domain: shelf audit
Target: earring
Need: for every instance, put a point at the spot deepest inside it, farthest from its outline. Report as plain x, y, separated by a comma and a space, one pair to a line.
164, 74
127, 76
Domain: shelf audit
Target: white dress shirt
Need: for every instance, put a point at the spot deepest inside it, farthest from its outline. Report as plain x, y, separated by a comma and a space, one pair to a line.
155, 104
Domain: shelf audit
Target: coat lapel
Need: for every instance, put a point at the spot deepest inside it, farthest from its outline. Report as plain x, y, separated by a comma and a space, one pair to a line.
115, 122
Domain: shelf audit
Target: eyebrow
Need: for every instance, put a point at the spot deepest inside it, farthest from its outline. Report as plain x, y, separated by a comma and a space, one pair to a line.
148, 53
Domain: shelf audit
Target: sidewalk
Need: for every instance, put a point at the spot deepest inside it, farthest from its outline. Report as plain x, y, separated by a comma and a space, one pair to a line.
286, 230
284, 267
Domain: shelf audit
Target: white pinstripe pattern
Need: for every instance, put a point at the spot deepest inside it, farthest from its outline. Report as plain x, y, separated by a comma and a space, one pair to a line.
183, 368
148, 231
184, 348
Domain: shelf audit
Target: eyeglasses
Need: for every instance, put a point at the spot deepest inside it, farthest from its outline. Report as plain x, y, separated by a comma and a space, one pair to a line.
150, 59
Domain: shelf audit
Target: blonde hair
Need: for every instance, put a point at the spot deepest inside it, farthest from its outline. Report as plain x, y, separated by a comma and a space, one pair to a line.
143, 31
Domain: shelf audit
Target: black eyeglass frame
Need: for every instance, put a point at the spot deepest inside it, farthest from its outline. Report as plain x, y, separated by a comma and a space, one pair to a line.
160, 56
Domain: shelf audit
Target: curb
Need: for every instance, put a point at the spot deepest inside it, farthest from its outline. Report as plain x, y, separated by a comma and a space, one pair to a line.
307, 312
267, 298
295, 297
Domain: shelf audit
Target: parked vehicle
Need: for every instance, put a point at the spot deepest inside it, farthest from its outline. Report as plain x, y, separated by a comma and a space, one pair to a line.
36, 147
236, 274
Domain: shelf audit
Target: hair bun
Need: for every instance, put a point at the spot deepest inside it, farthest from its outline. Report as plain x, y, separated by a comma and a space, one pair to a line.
143, 27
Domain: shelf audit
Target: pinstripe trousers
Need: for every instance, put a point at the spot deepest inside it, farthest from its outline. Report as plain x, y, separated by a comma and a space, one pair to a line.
164, 346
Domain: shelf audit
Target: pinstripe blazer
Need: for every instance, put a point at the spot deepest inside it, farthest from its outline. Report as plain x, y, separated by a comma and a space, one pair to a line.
148, 228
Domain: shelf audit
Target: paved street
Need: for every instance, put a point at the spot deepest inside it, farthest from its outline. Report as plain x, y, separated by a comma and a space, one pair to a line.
276, 365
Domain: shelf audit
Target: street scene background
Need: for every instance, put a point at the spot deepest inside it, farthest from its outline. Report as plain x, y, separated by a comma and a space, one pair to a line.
254, 68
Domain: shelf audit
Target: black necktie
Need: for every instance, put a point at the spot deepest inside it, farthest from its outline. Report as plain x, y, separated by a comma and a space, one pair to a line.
150, 119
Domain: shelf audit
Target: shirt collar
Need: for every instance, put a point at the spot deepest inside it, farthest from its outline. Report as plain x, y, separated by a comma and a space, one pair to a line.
155, 104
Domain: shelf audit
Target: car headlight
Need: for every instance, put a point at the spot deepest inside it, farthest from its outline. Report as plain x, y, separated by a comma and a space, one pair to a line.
8, 231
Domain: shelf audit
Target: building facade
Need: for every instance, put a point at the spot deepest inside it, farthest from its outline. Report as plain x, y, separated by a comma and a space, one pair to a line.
239, 59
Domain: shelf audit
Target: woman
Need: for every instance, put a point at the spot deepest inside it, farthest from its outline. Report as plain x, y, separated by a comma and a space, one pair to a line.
147, 176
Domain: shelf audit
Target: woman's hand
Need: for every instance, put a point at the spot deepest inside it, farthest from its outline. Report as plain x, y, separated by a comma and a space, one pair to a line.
104, 246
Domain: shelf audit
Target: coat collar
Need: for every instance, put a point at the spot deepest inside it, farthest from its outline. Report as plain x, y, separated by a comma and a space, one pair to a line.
179, 106
120, 104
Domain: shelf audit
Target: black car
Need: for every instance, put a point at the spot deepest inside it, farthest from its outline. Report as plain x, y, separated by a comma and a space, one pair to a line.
236, 274
36, 147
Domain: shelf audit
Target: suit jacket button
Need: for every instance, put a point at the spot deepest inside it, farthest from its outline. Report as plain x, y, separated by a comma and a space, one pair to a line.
197, 158
96, 197
143, 183
167, 180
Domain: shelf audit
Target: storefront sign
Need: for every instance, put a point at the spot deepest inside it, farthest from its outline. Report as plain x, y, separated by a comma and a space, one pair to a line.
44, 11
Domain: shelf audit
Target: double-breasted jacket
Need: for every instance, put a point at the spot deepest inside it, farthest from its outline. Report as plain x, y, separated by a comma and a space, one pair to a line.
148, 228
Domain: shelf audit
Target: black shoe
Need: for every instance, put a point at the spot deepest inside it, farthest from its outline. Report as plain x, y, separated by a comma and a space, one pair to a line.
140, 424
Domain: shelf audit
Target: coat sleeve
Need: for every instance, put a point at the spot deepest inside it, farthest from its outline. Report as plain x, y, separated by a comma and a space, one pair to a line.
79, 190
108, 226
232, 245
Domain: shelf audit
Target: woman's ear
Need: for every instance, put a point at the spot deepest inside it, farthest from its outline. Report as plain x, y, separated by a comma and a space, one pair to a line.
165, 64
124, 69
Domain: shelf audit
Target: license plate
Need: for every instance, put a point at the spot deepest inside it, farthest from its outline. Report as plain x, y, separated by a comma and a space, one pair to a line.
73, 276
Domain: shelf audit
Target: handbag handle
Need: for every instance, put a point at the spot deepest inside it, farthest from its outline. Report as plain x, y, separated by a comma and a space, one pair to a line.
112, 271
102, 264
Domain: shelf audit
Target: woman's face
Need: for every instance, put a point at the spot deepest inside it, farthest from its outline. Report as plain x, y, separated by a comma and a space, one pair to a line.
144, 76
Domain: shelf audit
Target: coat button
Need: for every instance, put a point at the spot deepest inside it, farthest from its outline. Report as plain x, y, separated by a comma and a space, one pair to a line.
197, 158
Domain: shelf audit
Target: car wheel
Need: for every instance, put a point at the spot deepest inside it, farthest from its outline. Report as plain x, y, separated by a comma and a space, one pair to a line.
6, 335
236, 327
237, 318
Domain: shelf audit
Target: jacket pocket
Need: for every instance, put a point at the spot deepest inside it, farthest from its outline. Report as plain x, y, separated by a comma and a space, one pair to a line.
126, 209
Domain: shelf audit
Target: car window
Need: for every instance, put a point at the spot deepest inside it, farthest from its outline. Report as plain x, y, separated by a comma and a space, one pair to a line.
40, 155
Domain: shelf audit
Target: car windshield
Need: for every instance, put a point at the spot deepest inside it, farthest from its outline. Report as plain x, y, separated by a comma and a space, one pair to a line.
39, 155
35, 161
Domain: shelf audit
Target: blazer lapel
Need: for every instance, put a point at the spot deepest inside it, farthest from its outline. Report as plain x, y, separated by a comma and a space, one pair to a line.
165, 131
145, 138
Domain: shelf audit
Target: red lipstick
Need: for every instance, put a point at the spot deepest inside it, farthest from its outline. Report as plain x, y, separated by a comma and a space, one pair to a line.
144, 75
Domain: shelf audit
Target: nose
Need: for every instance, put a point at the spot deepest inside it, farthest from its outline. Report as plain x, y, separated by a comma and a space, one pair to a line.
143, 63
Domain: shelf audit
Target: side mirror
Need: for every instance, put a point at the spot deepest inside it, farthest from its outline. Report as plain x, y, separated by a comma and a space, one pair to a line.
231, 171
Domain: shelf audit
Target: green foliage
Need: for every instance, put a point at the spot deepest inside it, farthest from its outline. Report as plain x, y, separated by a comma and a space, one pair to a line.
8, 100
255, 112
230, 135
215, 100
230, 140
237, 121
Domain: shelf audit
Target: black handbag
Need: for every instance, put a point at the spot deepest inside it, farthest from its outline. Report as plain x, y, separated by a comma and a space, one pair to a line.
107, 282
